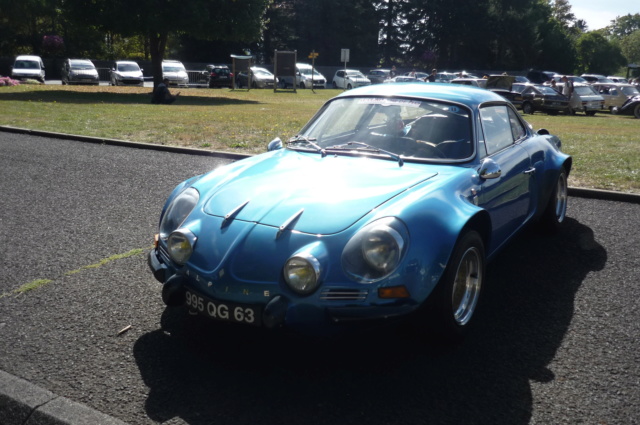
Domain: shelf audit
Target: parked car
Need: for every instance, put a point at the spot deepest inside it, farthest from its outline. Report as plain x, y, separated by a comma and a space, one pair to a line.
574, 79
126, 73
349, 79
540, 77
402, 79
257, 78
445, 77
521, 79
417, 75
538, 97
27, 67
79, 71
305, 78
217, 76
596, 78
503, 85
585, 99
630, 107
377, 76
618, 79
388, 204
475, 82
615, 95
175, 72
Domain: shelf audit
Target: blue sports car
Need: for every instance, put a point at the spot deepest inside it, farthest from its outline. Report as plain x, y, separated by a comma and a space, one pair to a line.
389, 203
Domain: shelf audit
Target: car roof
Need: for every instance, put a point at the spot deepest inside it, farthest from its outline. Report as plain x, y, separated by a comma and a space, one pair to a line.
29, 57
127, 62
81, 61
468, 95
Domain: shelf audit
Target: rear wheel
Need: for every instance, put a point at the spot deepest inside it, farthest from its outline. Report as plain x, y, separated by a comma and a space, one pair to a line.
636, 111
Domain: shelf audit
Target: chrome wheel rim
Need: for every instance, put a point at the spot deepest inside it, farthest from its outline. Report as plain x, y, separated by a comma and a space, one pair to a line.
466, 286
561, 198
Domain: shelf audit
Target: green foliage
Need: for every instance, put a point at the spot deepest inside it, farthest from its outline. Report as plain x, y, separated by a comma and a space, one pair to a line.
630, 46
597, 55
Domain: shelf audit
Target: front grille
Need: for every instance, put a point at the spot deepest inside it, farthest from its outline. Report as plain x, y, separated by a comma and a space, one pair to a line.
339, 294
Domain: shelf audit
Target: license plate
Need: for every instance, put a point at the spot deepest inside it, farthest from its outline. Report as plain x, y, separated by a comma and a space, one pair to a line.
224, 311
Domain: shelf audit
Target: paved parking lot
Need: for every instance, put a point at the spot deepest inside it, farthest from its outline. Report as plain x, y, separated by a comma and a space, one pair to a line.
557, 341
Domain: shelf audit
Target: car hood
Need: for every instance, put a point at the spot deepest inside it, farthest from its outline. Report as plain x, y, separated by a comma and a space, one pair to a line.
84, 72
313, 194
27, 72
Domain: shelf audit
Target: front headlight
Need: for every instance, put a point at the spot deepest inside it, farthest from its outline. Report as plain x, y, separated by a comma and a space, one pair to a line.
178, 211
302, 273
376, 250
180, 245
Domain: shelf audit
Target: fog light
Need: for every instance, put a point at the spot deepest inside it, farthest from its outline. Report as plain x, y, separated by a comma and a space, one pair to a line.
393, 292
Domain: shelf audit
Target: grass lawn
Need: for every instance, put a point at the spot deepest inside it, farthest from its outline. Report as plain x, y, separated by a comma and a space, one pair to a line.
606, 148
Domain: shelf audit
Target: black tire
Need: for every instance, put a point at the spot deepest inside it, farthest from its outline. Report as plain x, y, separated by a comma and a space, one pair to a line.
590, 113
527, 108
636, 111
569, 111
349, 87
335, 86
555, 212
302, 86
452, 306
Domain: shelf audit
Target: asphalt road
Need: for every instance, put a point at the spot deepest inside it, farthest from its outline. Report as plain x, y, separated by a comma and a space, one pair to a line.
557, 341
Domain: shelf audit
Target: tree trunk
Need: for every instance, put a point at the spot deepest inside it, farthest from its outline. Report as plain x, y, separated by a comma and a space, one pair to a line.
157, 44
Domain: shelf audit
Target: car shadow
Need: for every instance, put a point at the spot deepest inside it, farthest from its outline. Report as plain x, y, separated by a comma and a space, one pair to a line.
62, 96
203, 372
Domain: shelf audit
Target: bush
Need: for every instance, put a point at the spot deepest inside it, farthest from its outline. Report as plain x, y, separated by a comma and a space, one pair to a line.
6, 81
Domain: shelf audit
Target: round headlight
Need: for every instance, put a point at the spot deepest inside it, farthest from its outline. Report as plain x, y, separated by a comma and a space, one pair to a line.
381, 248
302, 273
178, 211
376, 250
180, 245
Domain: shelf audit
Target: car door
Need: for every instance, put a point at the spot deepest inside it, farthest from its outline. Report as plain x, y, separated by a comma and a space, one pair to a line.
506, 172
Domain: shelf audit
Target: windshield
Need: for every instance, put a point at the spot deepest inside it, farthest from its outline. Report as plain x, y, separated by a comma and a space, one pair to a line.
547, 90
27, 64
172, 68
585, 91
128, 67
413, 129
357, 74
307, 71
82, 65
261, 72
630, 91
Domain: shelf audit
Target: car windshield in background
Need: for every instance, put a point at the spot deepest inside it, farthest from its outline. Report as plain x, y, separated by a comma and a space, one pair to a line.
413, 129
357, 74
630, 91
27, 64
307, 71
585, 90
82, 65
127, 67
547, 90
172, 68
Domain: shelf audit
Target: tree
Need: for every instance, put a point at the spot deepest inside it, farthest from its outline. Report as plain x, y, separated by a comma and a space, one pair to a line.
623, 26
597, 55
630, 46
157, 20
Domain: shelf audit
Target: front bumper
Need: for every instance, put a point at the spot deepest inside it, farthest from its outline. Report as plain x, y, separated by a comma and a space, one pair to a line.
285, 310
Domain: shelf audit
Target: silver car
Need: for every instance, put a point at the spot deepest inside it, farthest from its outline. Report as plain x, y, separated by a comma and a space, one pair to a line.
349, 79
126, 73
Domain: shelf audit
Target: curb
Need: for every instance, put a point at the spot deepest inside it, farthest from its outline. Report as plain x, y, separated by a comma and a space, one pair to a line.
23, 403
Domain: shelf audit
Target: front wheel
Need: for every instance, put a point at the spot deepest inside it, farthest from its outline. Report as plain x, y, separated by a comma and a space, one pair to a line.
636, 111
335, 86
453, 304
527, 108
555, 212
590, 113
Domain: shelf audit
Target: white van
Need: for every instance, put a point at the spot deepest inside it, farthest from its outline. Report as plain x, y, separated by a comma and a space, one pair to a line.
28, 67
304, 78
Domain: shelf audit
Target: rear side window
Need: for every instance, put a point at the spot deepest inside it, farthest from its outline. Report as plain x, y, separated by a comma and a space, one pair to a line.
501, 127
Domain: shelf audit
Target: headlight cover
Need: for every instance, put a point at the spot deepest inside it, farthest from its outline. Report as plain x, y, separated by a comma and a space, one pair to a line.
376, 250
178, 211
180, 245
302, 273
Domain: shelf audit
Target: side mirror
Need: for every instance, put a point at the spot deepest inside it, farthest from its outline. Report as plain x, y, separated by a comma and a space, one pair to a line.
543, 131
141, 69
489, 170
274, 145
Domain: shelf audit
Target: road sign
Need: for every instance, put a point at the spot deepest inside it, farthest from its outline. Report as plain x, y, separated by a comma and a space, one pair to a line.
313, 55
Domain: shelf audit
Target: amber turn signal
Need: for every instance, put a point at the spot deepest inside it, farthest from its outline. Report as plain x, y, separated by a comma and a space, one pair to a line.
393, 292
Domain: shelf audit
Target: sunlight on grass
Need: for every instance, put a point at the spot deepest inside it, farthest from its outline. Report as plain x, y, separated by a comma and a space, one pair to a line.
606, 148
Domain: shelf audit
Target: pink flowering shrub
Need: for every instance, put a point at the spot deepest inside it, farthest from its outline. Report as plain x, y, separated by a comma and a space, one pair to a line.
6, 81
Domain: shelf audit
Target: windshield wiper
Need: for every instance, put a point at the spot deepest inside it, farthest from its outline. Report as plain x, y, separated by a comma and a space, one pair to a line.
372, 149
308, 140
